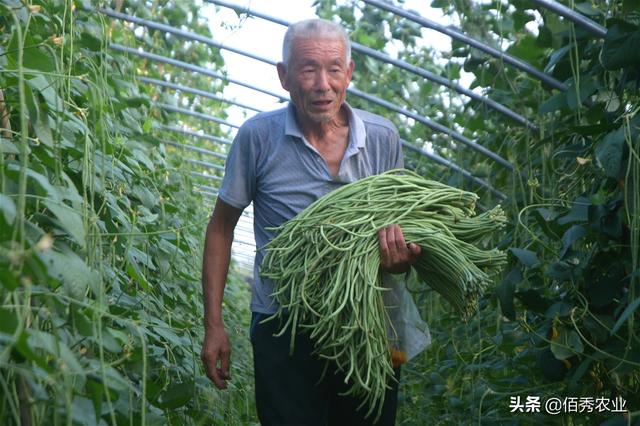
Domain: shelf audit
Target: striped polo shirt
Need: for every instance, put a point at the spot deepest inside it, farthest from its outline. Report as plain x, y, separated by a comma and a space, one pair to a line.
272, 164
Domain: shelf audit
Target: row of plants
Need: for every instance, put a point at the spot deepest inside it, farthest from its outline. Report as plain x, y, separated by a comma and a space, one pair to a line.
101, 228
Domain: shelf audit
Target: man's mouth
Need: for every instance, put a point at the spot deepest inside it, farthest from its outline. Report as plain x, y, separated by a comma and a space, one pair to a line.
322, 102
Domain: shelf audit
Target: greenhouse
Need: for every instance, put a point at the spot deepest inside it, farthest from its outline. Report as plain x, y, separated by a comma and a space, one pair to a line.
516, 123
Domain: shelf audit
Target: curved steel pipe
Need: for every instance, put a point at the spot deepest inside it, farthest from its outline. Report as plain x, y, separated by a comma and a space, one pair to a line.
193, 91
461, 37
565, 12
398, 63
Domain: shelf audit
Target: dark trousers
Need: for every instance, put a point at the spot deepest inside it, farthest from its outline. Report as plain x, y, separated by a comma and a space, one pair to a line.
291, 390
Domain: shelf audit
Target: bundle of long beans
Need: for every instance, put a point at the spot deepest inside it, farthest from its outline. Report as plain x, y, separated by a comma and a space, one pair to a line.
325, 263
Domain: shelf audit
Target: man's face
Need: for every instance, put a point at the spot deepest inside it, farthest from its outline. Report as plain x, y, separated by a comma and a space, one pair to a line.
317, 77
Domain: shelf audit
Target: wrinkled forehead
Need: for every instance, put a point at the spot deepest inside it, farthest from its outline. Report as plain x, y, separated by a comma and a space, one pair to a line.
318, 46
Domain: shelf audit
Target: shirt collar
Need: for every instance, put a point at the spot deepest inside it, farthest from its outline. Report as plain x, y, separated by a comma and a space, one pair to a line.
357, 133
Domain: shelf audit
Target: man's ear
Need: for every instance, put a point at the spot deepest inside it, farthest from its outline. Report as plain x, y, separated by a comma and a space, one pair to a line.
282, 74
350, 68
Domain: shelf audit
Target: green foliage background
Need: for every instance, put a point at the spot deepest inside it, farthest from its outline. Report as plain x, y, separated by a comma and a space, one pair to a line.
101, 218
101, 230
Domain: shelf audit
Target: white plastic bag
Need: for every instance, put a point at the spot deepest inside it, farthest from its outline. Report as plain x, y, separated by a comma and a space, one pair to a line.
406, 331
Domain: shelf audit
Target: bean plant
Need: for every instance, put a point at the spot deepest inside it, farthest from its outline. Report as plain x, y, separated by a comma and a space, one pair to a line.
101, 234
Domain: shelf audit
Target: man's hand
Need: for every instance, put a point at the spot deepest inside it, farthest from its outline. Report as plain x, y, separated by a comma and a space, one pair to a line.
216, 349
396, 256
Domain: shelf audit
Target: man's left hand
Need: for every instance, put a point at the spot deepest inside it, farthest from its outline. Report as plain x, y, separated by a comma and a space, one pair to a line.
396, 256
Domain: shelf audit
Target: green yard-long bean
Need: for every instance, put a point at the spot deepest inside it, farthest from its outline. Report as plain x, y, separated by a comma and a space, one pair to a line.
325, 263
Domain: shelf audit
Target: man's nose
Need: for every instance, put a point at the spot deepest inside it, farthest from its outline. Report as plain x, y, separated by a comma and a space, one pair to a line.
322, 81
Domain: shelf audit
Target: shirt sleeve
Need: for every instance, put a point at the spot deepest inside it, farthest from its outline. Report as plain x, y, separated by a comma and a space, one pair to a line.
239, 182
397, 156
396, 159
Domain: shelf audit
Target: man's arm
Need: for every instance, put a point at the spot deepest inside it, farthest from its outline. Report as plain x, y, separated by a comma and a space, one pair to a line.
216, 350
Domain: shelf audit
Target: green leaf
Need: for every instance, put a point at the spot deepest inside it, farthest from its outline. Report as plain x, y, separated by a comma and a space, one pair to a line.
134, 271
8, 279
527, 257
32, 104
621, 46
43, 182
38, 59
558, 309
610, 98
146, 217
552, 368
81, 322
8, 320
572, 235
547, 214
53, 345
567, 344
170, 336
70, 220
39, 84
138, 256
609, 153
8, 208
625, 315
606, 287
83, 411
74, 274
556, 57
176, 396
594, 129
526, 49
137, 102
147, 125
96, 391
576, 96
149, 200
506, 292
587, 9
23, 346
554, 103
112, 377
599, 328
532, 300
545, 37
42, 127
559, 270
581, 370
70, 192
89, 41
629, 6
109, 341
73, 126
8, 147
579, 211
144, 159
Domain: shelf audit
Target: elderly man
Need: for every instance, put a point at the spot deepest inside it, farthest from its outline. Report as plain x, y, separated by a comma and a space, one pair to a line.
284, 160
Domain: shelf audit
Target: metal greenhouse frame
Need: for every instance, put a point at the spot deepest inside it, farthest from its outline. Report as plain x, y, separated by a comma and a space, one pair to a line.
453, 33
371, 98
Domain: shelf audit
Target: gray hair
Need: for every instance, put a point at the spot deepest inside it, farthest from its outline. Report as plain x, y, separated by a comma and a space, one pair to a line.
314, 28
